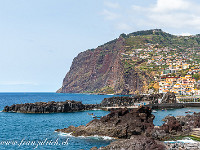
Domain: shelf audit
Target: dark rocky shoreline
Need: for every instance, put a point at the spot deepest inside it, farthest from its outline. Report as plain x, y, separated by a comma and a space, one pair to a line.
50, 107
122, 123
168, 98
135, 129
136, 142
131, 126
71, 105
166, 101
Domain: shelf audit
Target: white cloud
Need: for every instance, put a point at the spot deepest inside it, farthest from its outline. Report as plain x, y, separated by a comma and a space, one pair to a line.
111, 4
170, 13
110, 15
170, 5
179, 16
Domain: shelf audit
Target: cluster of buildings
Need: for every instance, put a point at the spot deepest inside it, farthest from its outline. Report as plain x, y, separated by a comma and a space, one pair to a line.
173, 69
179, 85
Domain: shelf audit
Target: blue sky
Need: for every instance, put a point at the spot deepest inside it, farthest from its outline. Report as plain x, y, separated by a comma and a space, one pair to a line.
40, 38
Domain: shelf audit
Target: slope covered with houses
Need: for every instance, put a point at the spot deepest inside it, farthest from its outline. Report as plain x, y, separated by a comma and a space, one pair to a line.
173, 63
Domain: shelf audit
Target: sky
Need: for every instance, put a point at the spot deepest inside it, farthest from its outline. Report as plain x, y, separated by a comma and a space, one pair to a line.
40, 38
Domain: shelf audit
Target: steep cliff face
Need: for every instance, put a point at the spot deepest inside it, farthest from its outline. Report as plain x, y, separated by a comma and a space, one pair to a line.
102, 70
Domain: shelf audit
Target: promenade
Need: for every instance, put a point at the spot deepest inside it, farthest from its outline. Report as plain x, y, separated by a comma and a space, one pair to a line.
195, 98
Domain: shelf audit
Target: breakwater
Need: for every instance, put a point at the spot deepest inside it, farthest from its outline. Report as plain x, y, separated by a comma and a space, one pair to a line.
158, 106
173, 105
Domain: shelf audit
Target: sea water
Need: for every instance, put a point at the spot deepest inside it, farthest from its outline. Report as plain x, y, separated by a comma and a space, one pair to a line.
37, 131
27, 129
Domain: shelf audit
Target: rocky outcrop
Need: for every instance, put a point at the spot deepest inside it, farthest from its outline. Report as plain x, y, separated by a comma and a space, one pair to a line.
135, 143
49, 107
122, 123
169, 98
70, 106
129, 101
175, 126
183, 146
172, 128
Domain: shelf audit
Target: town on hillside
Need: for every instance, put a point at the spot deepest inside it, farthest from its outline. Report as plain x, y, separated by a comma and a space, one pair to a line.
173, 70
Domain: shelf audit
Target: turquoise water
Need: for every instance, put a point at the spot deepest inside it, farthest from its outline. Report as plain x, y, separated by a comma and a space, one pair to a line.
174, 112
14, 127
25, 129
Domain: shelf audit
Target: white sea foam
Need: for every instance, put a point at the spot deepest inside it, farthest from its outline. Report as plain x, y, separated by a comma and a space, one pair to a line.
97, 137
96, 109
186, 140
88, 137
105, 137
64, 134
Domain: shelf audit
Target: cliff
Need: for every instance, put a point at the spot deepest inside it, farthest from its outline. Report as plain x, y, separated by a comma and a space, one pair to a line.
103, 70
119, 66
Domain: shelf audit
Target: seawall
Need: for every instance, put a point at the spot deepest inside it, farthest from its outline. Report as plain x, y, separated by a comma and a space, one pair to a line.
173, 105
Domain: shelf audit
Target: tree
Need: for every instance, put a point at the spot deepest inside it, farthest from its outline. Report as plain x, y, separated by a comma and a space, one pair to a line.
156, 87
196, 76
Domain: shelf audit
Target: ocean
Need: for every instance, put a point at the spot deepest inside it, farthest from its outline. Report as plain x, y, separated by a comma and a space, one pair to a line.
36, 131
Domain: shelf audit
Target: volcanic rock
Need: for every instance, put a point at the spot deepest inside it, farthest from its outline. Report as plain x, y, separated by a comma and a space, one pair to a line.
122, 123
169, 97
49, 107
135, 143
129, 101
175, 126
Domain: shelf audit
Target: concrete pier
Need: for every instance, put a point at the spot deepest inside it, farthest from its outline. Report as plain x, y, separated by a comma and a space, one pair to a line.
109, 108
158, 106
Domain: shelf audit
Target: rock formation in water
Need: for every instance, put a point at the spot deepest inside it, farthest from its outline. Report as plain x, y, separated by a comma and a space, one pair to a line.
135, 129
70, 106
175, 127
134, 143
122, 123
129, 101
172, 128
49, 107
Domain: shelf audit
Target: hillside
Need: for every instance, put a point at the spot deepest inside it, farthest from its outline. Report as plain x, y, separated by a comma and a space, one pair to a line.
129, 64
